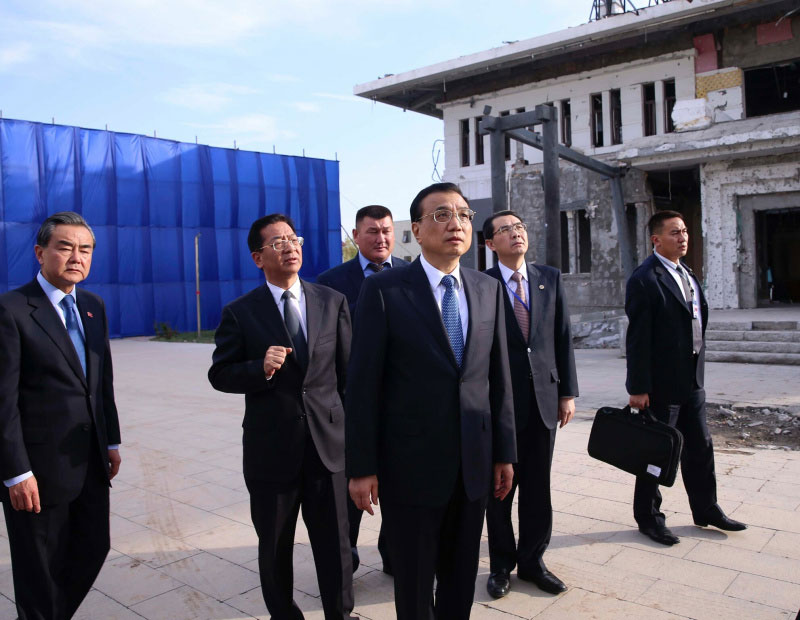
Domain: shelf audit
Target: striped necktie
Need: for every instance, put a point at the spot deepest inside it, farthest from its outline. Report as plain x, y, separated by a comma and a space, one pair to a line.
520, 311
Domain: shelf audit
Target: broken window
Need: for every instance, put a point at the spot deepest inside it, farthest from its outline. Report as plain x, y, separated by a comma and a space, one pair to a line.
773, 89
669, 104
406, 236
649, 110
615, 101
464, 127
479, 159
597, 119
576, 242
566, 123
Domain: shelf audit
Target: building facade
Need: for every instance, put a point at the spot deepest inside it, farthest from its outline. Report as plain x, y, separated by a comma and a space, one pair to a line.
700, 100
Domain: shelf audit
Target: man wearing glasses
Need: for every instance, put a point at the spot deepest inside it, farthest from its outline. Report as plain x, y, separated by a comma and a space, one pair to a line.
285, 346
430, 422
545, 385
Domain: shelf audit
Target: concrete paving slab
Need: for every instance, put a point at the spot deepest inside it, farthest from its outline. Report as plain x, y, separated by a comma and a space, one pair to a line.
183, 545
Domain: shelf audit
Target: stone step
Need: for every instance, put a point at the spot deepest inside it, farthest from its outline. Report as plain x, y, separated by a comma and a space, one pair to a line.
753, 336
788, 359
753, 325
745, 346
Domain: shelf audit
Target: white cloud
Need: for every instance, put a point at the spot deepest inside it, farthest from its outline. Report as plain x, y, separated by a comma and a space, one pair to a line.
338, 97
207, 97
250, 129
306, 107
15, 55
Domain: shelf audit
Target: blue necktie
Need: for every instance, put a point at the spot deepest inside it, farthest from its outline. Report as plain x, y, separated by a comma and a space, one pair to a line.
74, 330
452, 318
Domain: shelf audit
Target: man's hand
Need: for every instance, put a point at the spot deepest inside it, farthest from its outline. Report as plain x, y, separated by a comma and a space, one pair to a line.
566, 410
274, 359
639, 401
364, 492
503, 474
114, 460
25, 495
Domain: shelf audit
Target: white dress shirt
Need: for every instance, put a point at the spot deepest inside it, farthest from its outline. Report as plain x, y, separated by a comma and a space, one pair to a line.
435, 279
511, 286
672, 268
299, 301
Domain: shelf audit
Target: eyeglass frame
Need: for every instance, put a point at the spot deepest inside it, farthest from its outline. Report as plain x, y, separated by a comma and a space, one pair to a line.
450, 212
296, 241
518, 226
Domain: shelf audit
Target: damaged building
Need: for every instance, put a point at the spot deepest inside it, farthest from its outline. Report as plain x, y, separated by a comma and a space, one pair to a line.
700, 100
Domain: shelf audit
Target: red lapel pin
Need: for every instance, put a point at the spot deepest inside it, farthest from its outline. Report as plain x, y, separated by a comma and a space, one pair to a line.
90, 315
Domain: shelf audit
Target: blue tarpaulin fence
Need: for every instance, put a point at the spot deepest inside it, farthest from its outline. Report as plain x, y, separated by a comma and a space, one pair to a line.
146, 199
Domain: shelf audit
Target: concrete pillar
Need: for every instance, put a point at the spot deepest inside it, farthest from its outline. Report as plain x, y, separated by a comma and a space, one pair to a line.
659, 86
572, 235
606, 118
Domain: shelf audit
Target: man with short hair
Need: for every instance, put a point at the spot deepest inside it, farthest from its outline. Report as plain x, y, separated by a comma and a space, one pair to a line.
665, 347
374, 237
59, 430
430, 421
545, 385
285, 346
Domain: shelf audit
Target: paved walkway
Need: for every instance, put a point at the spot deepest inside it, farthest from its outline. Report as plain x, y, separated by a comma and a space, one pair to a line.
183, 545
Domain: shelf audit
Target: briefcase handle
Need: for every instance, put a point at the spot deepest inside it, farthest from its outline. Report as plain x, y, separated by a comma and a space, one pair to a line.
645, 413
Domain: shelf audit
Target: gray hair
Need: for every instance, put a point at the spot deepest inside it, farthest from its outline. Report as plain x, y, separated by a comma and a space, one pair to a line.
68, 218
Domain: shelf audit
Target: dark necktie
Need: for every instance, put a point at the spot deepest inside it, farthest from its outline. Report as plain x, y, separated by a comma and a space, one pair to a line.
688, 293
292, 320
376, 267
452, 318
520, 311
73, 329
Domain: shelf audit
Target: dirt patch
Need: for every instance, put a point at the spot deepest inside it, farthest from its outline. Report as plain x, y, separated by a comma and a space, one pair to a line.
753, 427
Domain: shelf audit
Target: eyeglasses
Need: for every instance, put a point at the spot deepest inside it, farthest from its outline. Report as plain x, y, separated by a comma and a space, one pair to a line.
443, 216
281, 244
518, 227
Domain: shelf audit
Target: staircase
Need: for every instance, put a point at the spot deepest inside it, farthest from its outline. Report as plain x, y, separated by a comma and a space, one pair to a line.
753, 342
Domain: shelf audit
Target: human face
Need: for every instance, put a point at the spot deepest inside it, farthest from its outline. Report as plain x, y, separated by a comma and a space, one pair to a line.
67, 257
281, 267
672, 242
443, 243
510, 244
375, 238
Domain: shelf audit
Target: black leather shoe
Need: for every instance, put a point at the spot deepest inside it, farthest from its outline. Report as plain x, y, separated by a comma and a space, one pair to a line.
499, 584
544, 580
717, 518
356, 559
660, 534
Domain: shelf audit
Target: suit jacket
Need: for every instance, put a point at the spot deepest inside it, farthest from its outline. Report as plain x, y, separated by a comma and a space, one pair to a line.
48, 407
278, 412
543, 368
348, 277
414, 417
659, 340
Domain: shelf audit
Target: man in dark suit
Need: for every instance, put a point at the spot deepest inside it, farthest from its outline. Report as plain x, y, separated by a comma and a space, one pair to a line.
285, 346
374, 237
665, 345
59, 431
430, 421
545, 385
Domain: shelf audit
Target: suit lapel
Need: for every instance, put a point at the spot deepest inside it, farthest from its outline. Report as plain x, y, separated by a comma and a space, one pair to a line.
47, 318
355, 276
536, 299
419, 293
95, 338
668, 281
313, 317
473, 301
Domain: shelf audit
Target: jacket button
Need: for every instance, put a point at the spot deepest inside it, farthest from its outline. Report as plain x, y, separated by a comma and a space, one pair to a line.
529, 349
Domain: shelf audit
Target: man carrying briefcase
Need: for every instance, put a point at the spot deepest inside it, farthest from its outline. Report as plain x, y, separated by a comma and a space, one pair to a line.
665, 347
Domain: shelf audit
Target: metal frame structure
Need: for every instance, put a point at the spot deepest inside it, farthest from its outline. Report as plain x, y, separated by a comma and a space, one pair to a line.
516, 126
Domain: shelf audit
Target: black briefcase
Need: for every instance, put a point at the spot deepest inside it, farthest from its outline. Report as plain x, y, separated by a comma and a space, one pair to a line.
636, 443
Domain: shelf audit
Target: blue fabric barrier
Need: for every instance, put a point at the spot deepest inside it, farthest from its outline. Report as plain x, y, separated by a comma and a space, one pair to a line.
146, 199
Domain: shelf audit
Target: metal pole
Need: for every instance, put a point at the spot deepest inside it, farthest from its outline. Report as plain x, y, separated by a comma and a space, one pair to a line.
197, 278
626, 248
550, 174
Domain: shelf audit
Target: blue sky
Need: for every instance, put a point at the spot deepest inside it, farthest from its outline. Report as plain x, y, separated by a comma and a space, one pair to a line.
260, 72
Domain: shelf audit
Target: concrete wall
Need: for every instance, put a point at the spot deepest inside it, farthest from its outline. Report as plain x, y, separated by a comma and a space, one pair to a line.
604, 286
578, 88
729, 241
